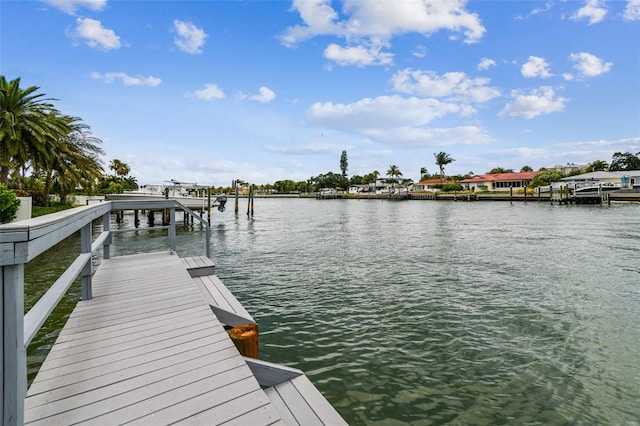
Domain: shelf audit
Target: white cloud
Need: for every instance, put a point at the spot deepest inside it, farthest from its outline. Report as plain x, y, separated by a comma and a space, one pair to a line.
371, 25
310, 148
265, 95
319, 18
536, 67
420, 52
210, 91
190, 38
451, 85
423, 136
382, 112
71, 6
486, 63
593, 10
589, 65
538, 10
95, 34
357, 55
127, 80
568, 76
632, 11
537, 102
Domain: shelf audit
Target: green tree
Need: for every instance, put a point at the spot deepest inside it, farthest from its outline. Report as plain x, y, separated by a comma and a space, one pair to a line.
75, 160
442, 159
331, 180
597, 166
344, 164
394, 172
545, 178
356, 180
624, 161
119, 168
372, 177
26, 126
497, 170
424, 173
9, 204
526, 169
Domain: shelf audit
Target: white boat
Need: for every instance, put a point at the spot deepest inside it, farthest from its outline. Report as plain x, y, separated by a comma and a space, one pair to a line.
595, 189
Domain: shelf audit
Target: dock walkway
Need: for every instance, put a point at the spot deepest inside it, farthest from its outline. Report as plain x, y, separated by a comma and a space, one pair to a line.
145, 350
148, 349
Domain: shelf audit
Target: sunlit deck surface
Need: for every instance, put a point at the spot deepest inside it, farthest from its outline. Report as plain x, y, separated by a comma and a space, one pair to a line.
148, 349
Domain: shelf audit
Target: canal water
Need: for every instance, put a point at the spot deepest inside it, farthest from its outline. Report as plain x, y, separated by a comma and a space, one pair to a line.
429, 312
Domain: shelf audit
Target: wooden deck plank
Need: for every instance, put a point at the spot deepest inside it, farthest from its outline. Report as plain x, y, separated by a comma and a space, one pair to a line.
139, 335
124, 349
219, 295
198, 266
233, 412
220, 351
296, 404
98, 399
281, 406
261, 416
178, 403
317, 401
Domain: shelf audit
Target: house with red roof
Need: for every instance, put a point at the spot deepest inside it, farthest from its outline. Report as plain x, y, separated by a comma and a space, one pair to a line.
429, 184
498, 181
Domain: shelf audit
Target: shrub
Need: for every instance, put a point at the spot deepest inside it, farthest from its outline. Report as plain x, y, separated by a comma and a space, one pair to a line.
37, 196
9, 204
451, 187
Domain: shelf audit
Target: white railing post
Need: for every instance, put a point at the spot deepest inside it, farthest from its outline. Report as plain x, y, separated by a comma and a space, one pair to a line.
85, 247
172, 229
106, 227
14, 356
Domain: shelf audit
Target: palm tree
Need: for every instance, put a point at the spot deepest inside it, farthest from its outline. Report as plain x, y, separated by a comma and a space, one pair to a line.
442, 159
394, 172
75, 160
26, 127
119, 168
597, 165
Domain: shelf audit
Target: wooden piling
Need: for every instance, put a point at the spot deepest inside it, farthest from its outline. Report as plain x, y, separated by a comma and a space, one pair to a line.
245, 337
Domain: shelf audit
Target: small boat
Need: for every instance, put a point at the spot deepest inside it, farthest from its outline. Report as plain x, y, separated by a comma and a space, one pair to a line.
595, 189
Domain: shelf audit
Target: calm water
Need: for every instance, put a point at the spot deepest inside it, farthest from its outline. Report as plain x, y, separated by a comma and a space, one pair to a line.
433, 312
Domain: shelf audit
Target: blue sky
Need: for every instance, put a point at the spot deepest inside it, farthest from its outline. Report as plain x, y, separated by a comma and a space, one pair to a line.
211, 91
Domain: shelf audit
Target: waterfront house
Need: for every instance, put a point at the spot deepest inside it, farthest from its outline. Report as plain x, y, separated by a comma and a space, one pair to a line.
498, 181
431, 184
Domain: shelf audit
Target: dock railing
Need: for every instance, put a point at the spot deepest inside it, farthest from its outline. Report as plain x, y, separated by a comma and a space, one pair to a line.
20, 243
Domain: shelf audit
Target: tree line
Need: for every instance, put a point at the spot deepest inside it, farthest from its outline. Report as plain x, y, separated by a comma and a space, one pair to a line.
620, 162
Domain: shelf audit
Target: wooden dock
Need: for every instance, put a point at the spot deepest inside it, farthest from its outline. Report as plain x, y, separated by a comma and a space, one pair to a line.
149, 345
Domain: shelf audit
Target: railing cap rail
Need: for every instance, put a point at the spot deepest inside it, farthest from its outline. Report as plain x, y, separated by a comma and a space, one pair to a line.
23, 241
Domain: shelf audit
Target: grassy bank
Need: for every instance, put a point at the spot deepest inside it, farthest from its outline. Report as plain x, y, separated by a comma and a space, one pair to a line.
41, 211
